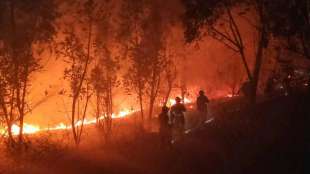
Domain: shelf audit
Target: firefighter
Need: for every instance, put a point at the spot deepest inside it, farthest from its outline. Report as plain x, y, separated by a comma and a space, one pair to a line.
177, 116
202, 107
164, 126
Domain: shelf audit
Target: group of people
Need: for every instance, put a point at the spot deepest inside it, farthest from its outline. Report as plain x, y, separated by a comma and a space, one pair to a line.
174, 118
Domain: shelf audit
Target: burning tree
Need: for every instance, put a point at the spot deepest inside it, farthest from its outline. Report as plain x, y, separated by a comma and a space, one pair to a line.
153, 41
77, 53
170, 76
132, 16
24, 28
144, 31
104, 74
104, 80
221, 18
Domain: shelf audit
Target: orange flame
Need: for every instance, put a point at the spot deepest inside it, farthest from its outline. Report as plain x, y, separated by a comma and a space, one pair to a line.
172, 102
32, 129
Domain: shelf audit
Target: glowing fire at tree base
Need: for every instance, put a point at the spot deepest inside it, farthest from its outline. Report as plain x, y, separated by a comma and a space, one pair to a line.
32, 129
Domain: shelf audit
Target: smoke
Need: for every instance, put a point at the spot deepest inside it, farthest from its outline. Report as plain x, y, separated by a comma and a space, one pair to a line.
206, 64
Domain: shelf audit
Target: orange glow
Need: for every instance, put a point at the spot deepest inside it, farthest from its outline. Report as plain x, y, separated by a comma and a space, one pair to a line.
32, 129
172, 101
28, 129
230, 95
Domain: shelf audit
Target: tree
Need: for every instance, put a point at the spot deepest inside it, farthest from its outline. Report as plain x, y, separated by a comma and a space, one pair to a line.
291, 23
78, 56
104, 80
145, 33
153, 41
25, 27
131, 33
220, 20
104, 74
170, 76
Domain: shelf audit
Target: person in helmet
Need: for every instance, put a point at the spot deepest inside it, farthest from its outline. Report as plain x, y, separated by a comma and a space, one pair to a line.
177, 115
164, 126
202, 107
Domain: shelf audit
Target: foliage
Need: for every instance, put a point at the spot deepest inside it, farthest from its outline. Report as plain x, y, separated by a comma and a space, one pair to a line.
25, 27
143, 32
77, 53
103, 76
221, 23
291, 23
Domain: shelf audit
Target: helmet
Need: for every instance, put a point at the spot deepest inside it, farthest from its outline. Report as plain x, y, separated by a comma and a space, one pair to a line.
201, 92
178, 99
164, 109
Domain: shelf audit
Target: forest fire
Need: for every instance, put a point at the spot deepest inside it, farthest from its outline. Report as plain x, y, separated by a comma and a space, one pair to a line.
129, 86
32, 129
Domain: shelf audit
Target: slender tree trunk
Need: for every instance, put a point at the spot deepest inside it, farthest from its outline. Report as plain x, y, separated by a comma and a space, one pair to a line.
14, 57
258, 64
154, 92
11, 116
238, 41
110, 107
23, 101
140, 96
21, 127
151, 108
73, 119
167, 95
8, 122
152, 95
97, 108
170, 80
262, 44
83, 117
245, 64
79, 87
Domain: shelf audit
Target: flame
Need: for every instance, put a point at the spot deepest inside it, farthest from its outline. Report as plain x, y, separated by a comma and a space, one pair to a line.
28, 129
229, 95
172, 101
32, 129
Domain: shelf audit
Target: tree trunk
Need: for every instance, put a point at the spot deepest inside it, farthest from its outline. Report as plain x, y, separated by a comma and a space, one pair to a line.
110, 107
258, 64
140, 96
97, 108
167, 95
73, 119
245, 64
152, 95
23, 101
79, 87
262, 44
83, 117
